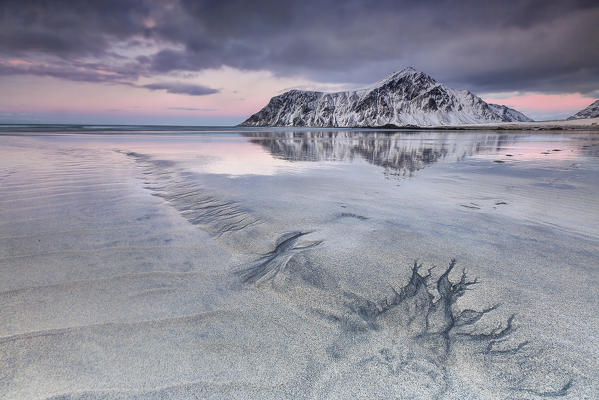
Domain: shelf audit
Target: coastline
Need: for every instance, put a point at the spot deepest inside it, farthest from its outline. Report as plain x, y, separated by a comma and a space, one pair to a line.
577, 124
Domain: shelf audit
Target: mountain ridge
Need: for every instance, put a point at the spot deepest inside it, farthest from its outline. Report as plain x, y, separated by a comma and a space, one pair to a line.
405, 98
591, 111
509, 114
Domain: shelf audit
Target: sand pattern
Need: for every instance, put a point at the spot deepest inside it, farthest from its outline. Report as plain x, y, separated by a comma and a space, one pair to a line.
126, 275
214, 214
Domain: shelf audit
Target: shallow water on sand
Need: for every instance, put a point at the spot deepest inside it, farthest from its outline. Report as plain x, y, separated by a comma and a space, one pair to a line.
246, 263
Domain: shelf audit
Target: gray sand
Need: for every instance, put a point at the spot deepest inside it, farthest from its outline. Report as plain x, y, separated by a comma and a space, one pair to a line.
281, 264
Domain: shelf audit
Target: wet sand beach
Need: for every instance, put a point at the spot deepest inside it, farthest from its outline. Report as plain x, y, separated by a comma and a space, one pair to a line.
281, 263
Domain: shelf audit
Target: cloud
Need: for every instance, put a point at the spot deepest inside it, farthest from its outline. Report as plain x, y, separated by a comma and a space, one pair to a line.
74, 70
66, 28
181, 88
491, 46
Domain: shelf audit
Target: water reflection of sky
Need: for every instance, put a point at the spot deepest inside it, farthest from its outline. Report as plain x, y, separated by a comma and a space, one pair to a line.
232, 157
403, 154
548, 179
250, 152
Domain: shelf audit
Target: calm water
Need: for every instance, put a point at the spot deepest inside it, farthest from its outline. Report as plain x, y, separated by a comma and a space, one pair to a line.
170, 263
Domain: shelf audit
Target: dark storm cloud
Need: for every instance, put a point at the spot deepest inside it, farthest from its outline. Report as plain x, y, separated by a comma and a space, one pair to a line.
69, 28
182, 88
547, 46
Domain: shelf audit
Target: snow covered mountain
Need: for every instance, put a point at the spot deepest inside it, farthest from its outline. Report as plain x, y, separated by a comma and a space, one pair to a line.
591, 111
508, 114
407, 97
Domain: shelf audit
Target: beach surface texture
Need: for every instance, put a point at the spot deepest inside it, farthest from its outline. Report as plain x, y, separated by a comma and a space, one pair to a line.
298, 264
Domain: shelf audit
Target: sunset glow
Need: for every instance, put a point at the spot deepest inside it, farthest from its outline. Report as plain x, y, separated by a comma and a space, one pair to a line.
178, 62
544, 106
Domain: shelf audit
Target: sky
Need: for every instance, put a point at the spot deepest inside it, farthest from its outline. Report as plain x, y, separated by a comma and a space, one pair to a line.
185, 62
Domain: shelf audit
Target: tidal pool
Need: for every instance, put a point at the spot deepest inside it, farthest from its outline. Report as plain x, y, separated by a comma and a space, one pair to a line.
158, 263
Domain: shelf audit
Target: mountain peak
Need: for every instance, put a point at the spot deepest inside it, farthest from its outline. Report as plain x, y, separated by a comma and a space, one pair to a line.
406, 97
407, 72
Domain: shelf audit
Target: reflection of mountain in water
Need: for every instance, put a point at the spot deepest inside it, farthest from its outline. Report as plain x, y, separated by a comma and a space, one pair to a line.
401, 154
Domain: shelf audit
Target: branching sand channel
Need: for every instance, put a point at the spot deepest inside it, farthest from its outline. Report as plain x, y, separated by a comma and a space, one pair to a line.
418, 339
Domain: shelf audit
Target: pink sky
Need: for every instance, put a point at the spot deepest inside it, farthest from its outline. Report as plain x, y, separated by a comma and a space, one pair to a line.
542, 106
241, 93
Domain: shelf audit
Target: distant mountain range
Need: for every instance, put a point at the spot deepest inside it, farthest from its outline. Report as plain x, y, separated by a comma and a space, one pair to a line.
405, 98
591, 111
